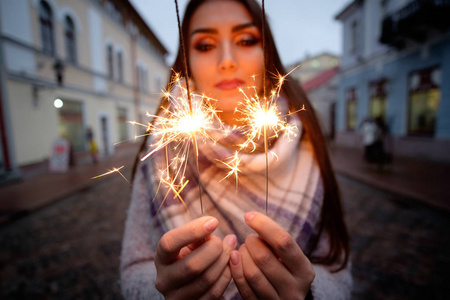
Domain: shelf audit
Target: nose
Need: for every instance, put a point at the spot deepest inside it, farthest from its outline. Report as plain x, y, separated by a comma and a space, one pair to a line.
227, 60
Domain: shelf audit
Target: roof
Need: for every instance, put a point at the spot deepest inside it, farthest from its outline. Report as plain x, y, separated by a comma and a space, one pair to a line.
320, 79
348, 10
136, 17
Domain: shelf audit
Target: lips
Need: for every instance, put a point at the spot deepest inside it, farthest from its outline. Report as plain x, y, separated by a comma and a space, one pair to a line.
230, 84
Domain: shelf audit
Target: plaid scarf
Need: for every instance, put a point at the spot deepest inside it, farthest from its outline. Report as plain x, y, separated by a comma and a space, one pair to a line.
295, 188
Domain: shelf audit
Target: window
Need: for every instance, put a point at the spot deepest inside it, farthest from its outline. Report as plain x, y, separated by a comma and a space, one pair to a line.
351, 109
122, 119
113, 11
158, 83
377, 101
46, 21
120, 65
69, 34
143, 79
110, 58
353, 37
424, 98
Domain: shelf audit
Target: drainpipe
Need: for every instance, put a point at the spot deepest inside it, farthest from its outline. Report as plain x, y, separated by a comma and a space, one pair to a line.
3, 137
10, 169
136, 93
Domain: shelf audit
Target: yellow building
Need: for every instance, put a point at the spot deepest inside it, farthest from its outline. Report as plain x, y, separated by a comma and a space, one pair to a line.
98, 57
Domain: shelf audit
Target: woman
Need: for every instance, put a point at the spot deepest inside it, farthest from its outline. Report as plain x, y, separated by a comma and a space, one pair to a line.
300, 250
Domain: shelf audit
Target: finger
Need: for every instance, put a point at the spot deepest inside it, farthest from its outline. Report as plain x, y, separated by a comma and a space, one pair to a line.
279, 239
255, 277
174, 240
217, 290
211, 275
191, 247
237, 272
280, 278
201, 283
181, 272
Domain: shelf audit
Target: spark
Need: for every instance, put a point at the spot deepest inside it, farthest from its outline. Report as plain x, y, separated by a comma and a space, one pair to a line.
233, 165
113, 170
182, 120
262, 117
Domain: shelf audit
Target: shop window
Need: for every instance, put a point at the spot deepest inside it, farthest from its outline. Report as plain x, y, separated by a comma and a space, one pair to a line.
424, 98
351, 102
69, 33
71, 123
46, 22
377, 101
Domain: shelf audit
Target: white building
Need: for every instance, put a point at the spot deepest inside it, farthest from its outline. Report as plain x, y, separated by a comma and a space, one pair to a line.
98, 56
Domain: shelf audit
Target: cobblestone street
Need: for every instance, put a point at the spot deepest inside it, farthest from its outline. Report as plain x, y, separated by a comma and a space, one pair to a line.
70, 249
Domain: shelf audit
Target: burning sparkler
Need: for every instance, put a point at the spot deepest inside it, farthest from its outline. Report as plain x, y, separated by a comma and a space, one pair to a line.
262, 116
178, 125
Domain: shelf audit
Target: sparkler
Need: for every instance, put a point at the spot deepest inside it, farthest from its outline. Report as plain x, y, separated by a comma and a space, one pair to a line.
261, 116
178, 126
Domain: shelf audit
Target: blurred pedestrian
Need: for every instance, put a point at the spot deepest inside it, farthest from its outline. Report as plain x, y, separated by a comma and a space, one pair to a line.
93, 149
373, 133
368, 131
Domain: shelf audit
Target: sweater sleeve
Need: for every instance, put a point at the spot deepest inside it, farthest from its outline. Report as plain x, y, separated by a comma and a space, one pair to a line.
137, 268
327, 284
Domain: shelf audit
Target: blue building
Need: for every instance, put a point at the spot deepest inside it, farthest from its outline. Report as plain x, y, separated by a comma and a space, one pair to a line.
396, 65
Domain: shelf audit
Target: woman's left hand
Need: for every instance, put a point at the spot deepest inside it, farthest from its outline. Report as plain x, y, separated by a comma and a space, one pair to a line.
270, 265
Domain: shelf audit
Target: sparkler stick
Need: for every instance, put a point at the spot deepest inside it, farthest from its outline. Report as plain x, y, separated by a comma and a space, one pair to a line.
189, 100
261, 117
265, 100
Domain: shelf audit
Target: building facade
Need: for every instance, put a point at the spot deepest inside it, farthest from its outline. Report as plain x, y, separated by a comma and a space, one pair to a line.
396, 65
312, 66
96, 58
317, 75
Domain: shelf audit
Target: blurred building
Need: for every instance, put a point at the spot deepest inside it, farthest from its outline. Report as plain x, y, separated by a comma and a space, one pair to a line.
312, 66
98, 57
318, 77
396, 65
322, 92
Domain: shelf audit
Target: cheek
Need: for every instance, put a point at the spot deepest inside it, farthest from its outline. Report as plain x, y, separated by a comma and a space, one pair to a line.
252, 62
200, 71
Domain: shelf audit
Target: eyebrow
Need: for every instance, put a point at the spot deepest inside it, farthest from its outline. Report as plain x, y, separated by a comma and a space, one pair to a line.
214, 31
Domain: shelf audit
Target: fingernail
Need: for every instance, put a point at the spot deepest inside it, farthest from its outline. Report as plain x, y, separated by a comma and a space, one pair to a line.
248, 216
235, 258
231, 240
211, 225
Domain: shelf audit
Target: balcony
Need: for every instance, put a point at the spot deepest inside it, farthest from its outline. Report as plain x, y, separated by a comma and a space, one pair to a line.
414, 22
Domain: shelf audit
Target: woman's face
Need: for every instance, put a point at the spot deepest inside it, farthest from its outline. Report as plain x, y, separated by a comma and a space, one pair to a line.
225, 53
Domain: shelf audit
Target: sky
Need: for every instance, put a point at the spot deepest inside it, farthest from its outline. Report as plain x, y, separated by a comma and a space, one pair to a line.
300, 27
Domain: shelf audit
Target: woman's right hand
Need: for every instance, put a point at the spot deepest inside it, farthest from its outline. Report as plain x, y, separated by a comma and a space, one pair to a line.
193, 264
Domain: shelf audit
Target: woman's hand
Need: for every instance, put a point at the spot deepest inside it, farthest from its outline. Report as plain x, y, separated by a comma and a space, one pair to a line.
193, 264
270, 265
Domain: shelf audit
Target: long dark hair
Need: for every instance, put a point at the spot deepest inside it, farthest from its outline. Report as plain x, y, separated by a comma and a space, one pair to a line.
332, 220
